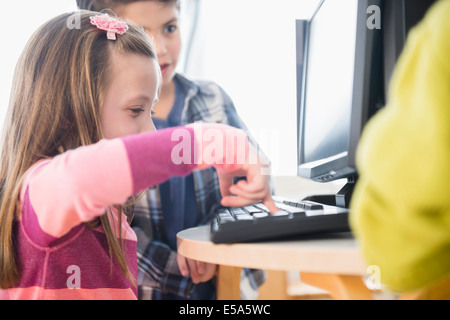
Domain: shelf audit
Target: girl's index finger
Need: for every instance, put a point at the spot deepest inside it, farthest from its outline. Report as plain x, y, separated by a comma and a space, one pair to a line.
270, 204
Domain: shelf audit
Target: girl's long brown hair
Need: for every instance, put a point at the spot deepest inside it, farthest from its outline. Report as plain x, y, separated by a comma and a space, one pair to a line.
57, 92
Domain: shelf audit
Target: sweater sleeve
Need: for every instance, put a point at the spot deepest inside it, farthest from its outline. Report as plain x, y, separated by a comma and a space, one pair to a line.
401, 205
79, 185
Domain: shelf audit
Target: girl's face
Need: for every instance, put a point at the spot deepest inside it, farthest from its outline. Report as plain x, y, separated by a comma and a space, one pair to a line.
160, 20
129, 99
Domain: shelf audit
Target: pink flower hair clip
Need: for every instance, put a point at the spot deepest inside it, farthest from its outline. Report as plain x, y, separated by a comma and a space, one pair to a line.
109, 24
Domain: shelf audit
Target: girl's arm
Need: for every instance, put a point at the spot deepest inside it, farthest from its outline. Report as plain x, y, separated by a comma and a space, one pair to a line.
79, 185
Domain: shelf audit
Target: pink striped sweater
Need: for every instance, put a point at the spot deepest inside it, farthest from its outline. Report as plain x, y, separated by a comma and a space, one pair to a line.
60, 257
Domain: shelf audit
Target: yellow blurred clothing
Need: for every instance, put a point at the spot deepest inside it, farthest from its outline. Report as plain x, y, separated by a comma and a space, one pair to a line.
401, 204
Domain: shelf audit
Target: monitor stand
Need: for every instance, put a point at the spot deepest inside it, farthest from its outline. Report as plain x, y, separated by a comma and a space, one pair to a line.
341, 199
345, 194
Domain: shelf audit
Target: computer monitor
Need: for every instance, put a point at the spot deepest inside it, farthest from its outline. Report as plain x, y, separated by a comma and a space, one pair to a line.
399, 17
345, 60
342, 86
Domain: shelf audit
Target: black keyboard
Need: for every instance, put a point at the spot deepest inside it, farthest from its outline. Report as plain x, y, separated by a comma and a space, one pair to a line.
255, 223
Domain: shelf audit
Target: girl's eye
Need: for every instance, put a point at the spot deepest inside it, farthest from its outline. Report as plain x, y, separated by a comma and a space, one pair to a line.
152, 113
136, 110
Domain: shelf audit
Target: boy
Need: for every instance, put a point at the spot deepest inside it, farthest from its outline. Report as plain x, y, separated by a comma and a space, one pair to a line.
170, 208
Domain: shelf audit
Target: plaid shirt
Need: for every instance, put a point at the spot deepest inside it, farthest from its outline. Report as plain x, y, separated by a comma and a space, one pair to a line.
158, 269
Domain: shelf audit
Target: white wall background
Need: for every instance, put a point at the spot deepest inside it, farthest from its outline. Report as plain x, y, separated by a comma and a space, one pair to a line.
246, 46
20, 19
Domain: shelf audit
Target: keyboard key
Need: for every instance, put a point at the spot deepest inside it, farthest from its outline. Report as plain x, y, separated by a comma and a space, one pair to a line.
312, 206
262, 207
293, 204
260, 214
300, 205
312, 213
244, 217
289, 208
226, 220
224, 215
237, 211
280, 213
252, 209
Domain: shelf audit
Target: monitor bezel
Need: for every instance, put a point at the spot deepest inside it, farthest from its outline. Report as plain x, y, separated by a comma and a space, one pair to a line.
342, 165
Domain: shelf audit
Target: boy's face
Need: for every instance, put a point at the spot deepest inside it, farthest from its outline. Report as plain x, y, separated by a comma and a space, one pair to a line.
160, 20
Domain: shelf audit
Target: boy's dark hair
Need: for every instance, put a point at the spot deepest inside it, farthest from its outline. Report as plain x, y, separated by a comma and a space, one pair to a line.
99, 5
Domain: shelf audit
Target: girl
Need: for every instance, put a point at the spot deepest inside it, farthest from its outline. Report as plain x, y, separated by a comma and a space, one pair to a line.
79, 142
164, 211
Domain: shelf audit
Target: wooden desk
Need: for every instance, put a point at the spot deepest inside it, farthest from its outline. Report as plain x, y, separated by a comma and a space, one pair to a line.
333, 263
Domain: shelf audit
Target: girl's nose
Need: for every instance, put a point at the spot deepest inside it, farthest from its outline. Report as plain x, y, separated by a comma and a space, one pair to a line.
149, 126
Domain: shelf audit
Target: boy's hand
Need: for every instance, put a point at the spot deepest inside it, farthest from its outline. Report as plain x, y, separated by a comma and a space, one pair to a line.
199, 271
